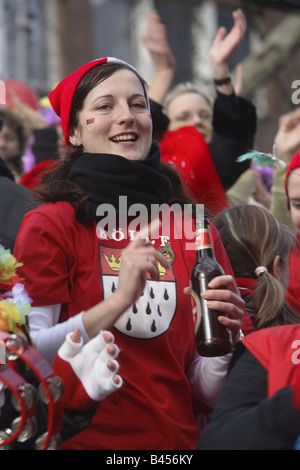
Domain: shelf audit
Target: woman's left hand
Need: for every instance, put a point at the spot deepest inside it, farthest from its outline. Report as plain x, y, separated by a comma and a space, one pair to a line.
223, 295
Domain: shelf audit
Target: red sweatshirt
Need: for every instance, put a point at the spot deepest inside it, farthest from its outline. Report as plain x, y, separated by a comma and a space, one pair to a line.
278, 350
64, 262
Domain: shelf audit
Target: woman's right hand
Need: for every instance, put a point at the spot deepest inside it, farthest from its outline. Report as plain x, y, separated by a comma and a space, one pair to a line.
137, 259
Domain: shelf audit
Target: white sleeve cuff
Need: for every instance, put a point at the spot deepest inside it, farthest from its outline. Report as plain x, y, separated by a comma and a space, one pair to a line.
207, 376
47, 334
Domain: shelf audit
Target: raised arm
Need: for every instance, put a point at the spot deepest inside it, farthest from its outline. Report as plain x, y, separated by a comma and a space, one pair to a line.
223, 47
156, 42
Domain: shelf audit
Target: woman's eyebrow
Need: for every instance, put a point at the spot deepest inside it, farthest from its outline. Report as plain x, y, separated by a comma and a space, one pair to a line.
138, 95
101, 96
135, 95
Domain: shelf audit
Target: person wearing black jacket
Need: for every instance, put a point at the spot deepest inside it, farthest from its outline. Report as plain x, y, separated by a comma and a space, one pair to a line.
16, 201
229, 125
228, 129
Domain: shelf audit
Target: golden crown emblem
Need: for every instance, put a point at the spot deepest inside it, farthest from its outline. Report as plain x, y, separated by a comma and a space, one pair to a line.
115, 264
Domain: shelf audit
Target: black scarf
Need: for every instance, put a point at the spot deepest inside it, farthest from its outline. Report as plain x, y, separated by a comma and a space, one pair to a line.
105, 177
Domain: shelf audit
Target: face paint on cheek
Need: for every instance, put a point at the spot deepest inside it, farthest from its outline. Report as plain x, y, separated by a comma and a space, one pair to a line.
90, 124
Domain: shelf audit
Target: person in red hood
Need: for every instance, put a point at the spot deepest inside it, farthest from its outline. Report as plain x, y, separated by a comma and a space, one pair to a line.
259, 406
292, 189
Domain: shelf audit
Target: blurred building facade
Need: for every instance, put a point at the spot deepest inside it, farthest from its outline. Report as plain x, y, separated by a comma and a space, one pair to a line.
43, 40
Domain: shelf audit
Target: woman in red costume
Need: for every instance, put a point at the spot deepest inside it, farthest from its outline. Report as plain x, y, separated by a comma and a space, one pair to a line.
86, 274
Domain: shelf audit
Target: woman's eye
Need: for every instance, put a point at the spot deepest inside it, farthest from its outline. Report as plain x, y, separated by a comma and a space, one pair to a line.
204, 116
103, 107
182, 117
138, 105
296, 205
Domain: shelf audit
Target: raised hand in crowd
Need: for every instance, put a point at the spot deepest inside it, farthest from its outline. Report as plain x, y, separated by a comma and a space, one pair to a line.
155, 40
223, 47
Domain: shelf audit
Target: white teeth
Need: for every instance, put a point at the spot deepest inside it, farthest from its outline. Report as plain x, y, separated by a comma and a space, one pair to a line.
124, 137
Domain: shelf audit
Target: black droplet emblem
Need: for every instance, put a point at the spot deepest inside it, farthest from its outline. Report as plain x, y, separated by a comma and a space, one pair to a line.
148, 309
128, 326
153, 327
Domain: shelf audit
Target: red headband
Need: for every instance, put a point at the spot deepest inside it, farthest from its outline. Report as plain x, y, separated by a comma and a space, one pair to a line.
61, 97
294, 163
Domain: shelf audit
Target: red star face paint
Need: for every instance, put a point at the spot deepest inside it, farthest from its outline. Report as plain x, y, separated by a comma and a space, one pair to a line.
90, 124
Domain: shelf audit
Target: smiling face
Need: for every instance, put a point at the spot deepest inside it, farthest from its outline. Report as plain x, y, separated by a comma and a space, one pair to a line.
190, 109
9, 142
115, 118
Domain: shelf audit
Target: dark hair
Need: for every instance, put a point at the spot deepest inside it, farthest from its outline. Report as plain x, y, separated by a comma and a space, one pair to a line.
56, 186
252, 237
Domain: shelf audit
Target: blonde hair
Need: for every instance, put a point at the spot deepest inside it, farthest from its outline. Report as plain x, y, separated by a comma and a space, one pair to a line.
180, 89
252, 237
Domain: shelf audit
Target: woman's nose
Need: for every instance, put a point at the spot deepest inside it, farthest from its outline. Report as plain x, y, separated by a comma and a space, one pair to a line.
125, 114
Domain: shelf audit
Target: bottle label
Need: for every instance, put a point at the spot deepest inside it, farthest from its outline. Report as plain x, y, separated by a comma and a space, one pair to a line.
203, 239
196, 310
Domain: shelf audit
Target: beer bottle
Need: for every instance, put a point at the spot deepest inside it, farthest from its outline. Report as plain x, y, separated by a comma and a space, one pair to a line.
213, 338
